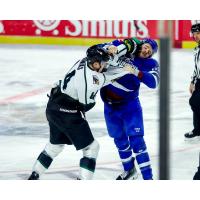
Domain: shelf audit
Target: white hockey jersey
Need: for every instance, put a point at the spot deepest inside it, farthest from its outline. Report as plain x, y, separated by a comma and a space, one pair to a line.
82, 83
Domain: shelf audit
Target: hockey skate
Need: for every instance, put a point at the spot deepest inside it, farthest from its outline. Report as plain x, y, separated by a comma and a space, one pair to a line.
197, 174
191, 136
34, 176
128, 175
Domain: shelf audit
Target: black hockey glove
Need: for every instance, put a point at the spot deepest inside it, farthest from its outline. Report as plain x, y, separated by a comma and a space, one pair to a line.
133, 45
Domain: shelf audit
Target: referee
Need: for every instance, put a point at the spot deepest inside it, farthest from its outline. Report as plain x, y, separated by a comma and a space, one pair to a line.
195, 85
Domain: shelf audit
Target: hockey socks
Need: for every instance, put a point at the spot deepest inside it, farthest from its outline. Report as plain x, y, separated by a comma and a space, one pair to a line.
87, 168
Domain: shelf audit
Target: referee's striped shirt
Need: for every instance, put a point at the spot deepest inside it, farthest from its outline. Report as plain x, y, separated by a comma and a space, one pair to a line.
196, 73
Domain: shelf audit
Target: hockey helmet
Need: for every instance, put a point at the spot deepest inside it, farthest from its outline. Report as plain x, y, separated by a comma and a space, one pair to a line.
153, 44
195, 28
97, 54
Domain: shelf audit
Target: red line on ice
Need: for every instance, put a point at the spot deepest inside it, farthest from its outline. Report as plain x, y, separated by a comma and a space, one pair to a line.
24, 95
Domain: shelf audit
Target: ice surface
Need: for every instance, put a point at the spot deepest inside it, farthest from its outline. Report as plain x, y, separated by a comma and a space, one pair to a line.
26, 75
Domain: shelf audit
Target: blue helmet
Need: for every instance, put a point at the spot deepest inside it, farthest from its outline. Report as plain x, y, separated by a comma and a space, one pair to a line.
153, 44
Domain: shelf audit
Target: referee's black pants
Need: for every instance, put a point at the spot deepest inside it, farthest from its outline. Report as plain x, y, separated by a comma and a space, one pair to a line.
195, 106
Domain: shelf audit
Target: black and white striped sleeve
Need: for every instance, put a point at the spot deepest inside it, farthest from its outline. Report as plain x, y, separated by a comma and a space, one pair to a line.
196, 73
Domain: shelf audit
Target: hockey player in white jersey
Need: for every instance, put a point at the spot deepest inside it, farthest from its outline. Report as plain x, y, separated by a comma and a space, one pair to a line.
68, 101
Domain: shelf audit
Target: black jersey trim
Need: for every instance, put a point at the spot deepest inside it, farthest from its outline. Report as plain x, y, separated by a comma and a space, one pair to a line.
104, 78
85, 84
125, 48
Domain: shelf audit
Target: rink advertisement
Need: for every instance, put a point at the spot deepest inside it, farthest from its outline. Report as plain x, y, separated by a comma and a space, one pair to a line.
86, 32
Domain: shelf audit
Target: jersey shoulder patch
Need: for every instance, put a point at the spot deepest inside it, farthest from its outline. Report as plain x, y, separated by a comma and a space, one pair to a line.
95, 80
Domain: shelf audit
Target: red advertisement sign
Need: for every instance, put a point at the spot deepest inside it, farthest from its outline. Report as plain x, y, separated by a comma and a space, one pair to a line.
94, 29
80, 28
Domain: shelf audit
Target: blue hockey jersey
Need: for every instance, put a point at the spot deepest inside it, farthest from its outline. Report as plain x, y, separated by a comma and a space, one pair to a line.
127, 87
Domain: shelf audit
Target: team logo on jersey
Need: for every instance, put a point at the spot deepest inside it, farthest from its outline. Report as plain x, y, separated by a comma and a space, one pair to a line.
95, 80
137, 130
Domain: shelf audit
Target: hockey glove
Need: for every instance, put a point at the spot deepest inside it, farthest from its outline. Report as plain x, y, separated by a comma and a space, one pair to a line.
132, 45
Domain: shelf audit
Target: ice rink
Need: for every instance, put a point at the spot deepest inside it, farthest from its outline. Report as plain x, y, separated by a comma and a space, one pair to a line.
26, 76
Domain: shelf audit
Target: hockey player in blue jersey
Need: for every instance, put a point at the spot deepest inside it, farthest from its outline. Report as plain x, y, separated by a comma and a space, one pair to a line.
122, 108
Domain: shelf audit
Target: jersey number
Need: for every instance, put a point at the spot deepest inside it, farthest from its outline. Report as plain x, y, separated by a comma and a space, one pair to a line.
67, 79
